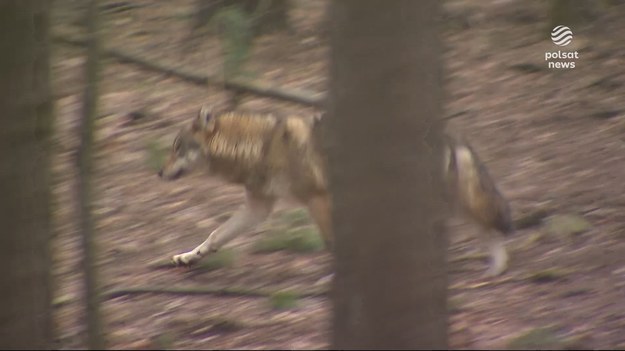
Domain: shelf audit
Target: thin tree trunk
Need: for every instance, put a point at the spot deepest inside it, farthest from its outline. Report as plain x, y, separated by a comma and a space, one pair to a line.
268, 15
563, 12
25, 102
383, 138
95, 340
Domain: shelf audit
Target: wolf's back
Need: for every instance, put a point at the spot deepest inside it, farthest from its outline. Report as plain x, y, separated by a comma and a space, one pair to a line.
474, 189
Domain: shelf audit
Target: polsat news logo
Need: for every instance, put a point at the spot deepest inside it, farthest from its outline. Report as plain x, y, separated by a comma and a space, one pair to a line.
561, 36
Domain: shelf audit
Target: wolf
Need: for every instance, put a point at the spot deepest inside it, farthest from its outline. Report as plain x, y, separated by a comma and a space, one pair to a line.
280, 157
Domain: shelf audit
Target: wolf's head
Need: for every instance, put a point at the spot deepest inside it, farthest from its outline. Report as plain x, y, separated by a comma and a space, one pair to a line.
186, 151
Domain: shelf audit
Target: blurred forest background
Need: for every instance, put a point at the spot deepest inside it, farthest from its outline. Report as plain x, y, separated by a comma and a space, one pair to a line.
553, 139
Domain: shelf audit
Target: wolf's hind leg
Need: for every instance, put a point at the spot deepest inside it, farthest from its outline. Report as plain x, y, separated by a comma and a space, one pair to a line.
498, 255
319, 208
255, 210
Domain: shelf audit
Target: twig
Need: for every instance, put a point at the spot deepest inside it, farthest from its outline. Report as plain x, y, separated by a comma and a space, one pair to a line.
470, 257
205, 291
532, 218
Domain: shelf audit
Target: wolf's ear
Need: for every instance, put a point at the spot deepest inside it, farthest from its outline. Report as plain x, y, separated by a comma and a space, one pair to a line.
205, 118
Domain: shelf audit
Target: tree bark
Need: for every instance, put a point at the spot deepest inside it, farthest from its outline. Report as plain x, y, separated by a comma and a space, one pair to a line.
25, 102
384, 142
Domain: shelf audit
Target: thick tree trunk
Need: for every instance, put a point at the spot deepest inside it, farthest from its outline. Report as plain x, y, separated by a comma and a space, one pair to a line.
383, 138
25, 102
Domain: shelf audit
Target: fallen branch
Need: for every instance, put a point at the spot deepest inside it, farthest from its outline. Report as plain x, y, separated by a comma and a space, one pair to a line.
205, 291
242, 86
303, 97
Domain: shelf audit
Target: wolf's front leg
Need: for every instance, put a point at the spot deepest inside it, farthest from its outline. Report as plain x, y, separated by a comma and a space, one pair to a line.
254, 211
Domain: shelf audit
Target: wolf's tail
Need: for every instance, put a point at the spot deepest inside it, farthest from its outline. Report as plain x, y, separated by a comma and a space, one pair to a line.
473, 188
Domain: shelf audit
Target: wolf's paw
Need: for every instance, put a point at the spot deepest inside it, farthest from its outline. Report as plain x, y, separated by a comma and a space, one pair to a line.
186, 259
326, 280
498, 259
496, 269
494, 272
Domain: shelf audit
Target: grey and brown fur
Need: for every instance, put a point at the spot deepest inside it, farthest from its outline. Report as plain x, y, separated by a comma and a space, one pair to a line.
277, 157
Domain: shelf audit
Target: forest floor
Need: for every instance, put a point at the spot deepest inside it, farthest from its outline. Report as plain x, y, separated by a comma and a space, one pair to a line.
551, 138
